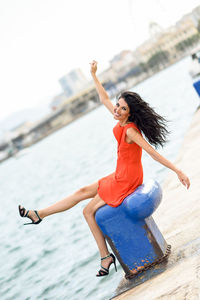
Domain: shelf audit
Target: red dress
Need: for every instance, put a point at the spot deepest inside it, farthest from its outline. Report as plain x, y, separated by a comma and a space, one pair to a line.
129, 173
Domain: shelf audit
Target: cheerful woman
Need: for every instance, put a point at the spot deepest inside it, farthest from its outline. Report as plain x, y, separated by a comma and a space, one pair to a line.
135, 117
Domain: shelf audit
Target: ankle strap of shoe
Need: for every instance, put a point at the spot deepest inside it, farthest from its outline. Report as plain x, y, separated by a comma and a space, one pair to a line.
105, 257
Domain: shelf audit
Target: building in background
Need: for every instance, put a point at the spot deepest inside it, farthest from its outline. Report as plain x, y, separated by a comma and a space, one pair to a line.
73, 82
167, 41
195, 15
57, 101
123, 62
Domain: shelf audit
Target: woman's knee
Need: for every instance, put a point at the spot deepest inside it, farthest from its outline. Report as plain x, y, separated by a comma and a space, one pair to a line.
88, 211
93, 206
88, 191
82, 190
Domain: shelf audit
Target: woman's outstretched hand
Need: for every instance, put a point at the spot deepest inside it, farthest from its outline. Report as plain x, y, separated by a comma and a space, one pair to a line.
93, 67
183, 179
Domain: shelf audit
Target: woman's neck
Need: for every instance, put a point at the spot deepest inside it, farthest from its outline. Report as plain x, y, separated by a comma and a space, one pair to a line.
122, 124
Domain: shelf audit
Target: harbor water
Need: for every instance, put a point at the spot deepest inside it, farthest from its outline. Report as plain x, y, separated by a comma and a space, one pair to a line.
58, 259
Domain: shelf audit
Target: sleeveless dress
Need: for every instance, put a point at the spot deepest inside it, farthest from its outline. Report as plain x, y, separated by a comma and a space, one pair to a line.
114, 188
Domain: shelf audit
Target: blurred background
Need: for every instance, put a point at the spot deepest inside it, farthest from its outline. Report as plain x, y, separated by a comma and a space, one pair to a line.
56, 137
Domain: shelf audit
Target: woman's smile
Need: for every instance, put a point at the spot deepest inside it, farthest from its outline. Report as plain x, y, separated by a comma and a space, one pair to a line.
121, 110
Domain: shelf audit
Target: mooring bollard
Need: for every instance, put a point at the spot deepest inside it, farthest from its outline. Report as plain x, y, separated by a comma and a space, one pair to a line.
196, 85
131, 231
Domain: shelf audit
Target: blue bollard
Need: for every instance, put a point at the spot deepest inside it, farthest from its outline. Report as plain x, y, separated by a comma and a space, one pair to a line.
196, 85
131, 231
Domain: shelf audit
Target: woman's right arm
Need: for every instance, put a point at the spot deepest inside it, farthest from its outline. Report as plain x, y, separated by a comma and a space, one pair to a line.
103, 96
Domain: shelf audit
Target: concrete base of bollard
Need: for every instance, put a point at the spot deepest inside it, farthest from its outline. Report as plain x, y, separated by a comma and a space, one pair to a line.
169, 271
128, 284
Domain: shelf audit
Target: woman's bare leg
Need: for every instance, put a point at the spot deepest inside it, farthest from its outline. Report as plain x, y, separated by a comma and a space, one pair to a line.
84, 193
89, 214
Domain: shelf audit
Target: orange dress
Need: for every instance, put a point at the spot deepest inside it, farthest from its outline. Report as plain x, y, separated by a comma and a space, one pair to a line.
129, 173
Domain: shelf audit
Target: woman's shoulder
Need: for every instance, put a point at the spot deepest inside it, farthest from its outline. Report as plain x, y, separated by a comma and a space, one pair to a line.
132, 125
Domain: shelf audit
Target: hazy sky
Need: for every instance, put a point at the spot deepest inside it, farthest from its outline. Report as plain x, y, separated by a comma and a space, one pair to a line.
41, 40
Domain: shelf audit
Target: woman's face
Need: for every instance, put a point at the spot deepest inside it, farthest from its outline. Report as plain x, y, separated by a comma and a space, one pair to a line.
121, 111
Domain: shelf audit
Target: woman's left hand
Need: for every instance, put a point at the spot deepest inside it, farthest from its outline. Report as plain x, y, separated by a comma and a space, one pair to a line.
183, 179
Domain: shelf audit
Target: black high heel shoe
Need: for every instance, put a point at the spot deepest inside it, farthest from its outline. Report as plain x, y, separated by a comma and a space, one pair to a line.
105, 271
23, 214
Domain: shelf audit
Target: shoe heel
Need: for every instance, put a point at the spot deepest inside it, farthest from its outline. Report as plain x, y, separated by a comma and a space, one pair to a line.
114, 261
115, 267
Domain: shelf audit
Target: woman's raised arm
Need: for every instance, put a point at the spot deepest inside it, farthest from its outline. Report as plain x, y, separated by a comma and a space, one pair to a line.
103, 96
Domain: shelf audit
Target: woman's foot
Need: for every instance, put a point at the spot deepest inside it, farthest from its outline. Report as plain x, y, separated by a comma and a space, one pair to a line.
106, 262
31, 214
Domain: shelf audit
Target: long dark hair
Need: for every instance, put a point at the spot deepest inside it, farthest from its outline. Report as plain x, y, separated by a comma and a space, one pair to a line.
151, 124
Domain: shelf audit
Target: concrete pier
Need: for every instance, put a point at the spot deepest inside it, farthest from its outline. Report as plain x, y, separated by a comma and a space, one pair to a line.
178, 218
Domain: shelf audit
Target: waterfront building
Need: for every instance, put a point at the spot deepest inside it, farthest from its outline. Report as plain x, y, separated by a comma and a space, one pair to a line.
57, 101
196, 15
168, 39
73, 82
123, 62
123, 66
108, 76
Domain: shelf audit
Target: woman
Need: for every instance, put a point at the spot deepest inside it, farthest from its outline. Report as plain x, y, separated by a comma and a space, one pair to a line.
134, 117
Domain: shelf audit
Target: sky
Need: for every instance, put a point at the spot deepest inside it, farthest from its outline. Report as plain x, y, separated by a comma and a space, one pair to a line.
42, 40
